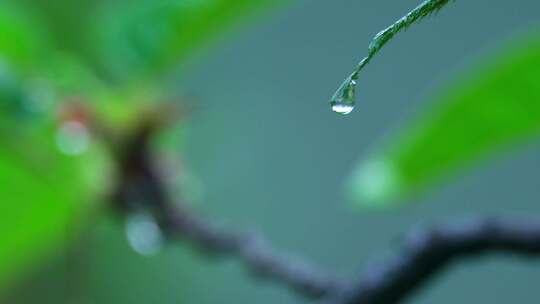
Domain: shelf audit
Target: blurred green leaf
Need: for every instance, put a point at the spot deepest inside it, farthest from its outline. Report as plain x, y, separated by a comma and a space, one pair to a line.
23, 43
36, 211
117, 41
147, 38
495, 109
44, 190
67, 22
42, 198
53, 51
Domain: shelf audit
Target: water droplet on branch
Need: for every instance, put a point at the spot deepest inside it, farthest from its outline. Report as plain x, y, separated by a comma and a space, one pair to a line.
344, 99
143, 233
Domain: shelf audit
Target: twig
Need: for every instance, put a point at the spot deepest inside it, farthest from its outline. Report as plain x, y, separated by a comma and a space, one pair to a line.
425, 253
253, 251
429, 253
140, 186
425, 9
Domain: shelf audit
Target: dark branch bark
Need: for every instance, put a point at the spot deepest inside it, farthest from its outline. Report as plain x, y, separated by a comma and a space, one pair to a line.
140, 185
425, 253
253, 251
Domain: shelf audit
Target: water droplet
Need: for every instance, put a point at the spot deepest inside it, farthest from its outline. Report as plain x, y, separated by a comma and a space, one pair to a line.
344, 99
342, 108
72, 138
143, 233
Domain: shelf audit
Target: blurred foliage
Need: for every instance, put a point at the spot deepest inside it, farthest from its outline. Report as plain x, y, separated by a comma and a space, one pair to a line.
116, 54
113, 54
149, 38
44, 192
490, 111
130, 41
23, 43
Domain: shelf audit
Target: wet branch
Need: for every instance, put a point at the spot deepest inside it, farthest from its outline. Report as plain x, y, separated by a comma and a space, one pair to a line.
140, 185
425, 253
253, 251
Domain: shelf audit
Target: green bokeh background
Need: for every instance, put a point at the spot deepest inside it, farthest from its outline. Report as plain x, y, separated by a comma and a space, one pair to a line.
273, 158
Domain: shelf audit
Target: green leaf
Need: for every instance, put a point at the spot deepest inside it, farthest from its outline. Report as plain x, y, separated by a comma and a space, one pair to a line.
36, 210
44, 192
493, 110
43, 200
23, 43
118, 42
149, 38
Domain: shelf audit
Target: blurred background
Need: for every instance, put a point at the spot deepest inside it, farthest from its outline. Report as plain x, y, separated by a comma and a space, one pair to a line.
265, 153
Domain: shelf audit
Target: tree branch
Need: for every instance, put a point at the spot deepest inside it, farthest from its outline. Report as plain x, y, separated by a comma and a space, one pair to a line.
253, 251
140, 185
427, 253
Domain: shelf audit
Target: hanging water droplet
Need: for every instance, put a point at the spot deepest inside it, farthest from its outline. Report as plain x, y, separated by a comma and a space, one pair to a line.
143, 233
342, 108
72, 138
343, 100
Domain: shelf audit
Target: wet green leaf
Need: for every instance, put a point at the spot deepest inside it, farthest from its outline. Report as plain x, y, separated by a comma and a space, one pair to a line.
494, 109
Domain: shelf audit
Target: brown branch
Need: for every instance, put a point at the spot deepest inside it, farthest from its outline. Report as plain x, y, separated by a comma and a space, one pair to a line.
425, 253
252, 250
140, 185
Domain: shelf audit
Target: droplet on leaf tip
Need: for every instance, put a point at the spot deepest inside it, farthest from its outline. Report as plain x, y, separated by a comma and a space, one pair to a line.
344, 99
342, 108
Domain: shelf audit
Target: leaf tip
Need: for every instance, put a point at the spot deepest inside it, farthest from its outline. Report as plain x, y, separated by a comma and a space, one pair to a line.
374, 183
